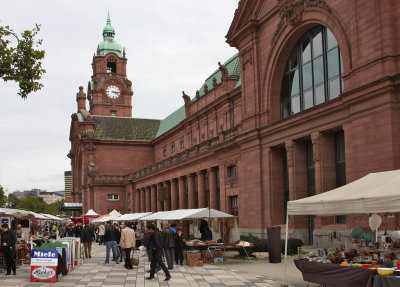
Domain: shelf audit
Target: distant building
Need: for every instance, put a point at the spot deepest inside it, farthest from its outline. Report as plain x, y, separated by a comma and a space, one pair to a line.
32, 192
68, 186
50, 197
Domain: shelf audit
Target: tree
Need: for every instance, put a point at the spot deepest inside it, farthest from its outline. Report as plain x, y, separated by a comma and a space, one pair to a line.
33, 203
3, 197
12, 201
22, 63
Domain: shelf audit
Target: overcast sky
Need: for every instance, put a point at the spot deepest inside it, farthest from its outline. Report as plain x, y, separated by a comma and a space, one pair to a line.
171, 45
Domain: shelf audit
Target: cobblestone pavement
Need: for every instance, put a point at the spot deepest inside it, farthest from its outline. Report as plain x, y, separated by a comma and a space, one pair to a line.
93, 272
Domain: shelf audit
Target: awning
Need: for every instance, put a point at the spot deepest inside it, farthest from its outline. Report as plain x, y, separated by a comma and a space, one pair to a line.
18, 213
73, 206
186, 214
374, 193
132, 216
91, 212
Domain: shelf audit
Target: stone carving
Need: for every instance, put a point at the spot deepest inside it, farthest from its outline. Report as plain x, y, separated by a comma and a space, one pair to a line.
291, 11
187, 100
316, 147
246, 57
197, 95
88, 133
71, 155
74, 116
214, 83
128, 83
289, 154
91, 147
98, 50
224, 71
92, 169
123, 53
205, 89
81, 94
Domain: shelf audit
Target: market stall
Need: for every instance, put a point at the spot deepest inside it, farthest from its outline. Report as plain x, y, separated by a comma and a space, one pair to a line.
373, 193
90, 215
107, 217
198, 249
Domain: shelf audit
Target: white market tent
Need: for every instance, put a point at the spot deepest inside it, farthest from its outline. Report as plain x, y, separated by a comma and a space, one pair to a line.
18, 213
52, 217
374, 193
91, 212
180, 214
132, 216
108, 217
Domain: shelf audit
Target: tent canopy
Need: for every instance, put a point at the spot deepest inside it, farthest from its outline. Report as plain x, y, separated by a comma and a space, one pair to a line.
91, 212
115, 213
132, 216
186, 214
375, 192
18, 213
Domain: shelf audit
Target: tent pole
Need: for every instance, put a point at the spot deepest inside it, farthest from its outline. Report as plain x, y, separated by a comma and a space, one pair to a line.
286, 243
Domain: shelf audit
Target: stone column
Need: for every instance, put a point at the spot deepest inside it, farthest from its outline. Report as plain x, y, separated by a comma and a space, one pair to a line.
142, 200
160, 205
148, 199
213, 188
191, 192
201, 188
182, 193
137, 200
174, 195
153, 198
167, 202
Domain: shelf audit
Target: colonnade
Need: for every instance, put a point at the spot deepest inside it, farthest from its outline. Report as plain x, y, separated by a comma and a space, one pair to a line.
194, 190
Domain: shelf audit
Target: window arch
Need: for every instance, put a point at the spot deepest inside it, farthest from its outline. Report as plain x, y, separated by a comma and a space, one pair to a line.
313, 73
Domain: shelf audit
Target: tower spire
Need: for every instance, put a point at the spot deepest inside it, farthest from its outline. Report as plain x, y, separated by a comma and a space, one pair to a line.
108, 18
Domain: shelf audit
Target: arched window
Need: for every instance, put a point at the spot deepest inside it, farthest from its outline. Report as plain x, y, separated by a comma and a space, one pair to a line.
111, 65
313, 72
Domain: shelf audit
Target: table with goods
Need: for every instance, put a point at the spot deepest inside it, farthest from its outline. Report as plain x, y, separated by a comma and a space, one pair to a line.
360, 263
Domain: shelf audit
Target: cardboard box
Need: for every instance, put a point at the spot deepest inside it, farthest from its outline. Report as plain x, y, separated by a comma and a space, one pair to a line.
217, 253
195, 262
192, 256
207, 256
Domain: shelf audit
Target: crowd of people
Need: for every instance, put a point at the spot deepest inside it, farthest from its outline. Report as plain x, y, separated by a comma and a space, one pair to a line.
167, 243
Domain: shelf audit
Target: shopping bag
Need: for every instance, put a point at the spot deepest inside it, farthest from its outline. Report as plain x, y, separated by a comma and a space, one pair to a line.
142, 251
135, 261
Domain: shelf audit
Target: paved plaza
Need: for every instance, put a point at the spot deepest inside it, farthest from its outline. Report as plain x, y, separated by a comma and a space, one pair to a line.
93, 272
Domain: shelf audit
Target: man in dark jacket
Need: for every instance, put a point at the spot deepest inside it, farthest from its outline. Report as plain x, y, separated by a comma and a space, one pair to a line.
87, 236
157, 247
110, 238
169, 244
8, 240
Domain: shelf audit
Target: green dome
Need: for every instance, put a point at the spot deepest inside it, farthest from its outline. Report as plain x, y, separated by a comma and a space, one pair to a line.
109, 45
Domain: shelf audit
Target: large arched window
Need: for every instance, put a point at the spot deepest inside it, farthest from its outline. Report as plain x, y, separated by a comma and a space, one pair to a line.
313, 72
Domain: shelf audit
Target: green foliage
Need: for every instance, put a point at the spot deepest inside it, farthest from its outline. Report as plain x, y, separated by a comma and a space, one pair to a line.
12, 201
261, 245
21, 63
3, 197
33, 203
293, 244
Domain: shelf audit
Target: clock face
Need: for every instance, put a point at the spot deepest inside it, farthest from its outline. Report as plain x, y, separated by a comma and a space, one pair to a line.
113, 92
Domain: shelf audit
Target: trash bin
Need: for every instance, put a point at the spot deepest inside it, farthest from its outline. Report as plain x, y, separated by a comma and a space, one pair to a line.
274, 244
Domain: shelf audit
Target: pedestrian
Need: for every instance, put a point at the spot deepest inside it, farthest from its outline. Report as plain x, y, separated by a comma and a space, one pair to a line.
87, 236
118, 238
179, 246
157, 247
147, 243
169, 244
68, 230
78, 229
8, 240
102, 229
127, 242
110, 239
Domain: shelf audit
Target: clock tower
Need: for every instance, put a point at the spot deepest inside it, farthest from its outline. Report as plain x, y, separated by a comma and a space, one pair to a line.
109, 90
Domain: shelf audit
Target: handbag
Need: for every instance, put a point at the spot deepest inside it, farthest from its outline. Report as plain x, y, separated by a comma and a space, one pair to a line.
135, 261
